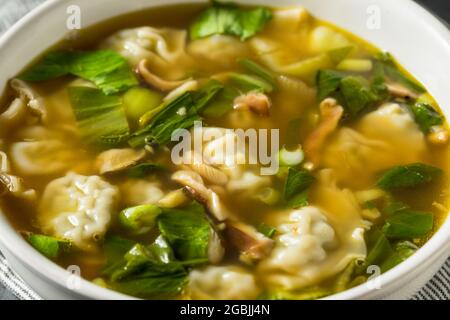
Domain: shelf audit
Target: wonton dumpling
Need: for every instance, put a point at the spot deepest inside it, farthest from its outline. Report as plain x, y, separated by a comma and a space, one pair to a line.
316, 242
222, 283
163, 48
382, 139
32, 158
219, 49
78, 208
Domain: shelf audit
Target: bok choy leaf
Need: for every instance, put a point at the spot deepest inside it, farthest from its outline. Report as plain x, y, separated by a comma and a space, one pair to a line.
296, 187
229, 19
50, 247
107, 69
100, 118
187, 230
408, 176
168, 119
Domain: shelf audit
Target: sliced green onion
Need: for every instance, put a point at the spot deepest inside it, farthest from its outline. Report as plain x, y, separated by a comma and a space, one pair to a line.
291, 158
307, 69
258, 70
50, 247
247, 83
137, 101
339, 54
139, 219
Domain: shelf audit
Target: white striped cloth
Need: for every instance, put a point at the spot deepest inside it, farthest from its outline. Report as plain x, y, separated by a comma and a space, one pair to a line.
438, 288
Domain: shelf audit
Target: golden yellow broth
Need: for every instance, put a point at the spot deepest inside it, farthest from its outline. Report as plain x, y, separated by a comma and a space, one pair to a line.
286, 106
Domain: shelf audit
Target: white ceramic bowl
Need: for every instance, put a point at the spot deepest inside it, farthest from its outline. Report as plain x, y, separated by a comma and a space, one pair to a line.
419, 41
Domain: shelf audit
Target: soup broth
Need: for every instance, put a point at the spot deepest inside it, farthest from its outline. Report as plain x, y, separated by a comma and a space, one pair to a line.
89, 179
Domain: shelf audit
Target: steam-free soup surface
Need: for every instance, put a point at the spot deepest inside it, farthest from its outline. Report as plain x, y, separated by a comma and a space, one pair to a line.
88, 173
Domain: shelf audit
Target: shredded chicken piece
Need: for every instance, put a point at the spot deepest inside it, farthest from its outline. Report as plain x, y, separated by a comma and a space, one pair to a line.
248, 241
155, 81
399, 91
257, 102
331, 113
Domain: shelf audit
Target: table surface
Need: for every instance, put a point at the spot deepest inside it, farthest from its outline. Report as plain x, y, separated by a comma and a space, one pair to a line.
439, 7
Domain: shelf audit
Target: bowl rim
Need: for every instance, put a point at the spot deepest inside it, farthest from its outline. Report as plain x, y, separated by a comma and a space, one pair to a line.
53, 273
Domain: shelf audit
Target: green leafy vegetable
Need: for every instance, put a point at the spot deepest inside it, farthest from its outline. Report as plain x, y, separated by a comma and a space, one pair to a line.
357, 94
149, 271
248, 83
328, 82
296, 188
169, 118
49, 246
229, 19
408, 224
267, 230
101, 118
115, 248
222, 104
107, 69
143, 169
339, 54
402, 251
258, 70
395, 206
408, 176
378, 247
425, 116
137, 101
392, 71
139, 219
187, 230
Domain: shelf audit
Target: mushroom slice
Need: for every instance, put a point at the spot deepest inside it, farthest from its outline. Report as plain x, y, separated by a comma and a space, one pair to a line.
400, 91
194, 184
331, 113
13, 185
154, 80
118, 159
10, 184
248, 241
257, 102
35, 102
195, 162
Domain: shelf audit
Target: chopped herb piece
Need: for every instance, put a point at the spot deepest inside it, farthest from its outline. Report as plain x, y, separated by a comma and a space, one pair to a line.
408, 224
425, 116
50, 247
267, 230
229, 19
107, 69
408, 176
296, 188
187, 230
101, 118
